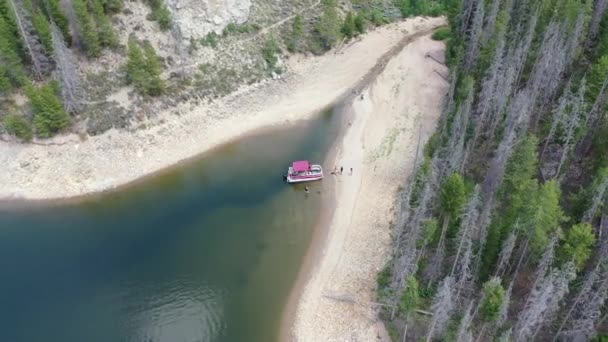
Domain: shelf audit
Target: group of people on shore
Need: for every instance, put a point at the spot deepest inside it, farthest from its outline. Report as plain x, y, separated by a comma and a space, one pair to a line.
335, 171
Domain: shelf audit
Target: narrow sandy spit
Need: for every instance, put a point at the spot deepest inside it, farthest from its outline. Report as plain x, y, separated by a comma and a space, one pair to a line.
380, 145
69, 167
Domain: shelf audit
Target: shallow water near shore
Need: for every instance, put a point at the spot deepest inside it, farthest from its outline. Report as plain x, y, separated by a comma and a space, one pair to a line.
205, 252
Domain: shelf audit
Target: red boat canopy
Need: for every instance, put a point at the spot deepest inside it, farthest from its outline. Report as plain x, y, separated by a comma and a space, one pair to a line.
299, 166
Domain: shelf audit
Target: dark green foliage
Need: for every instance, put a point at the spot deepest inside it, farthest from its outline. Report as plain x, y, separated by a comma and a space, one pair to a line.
327, 28
143, 69
163, 16
452, 195
577, 244
595, 78
60, 19
49, 115
112, 6
234, 28
376, 17
90, 38
43, 29
106, 34
410, 8
442, 33
546, 216
602, 38
160, 13
12, 73
515, 196
269, 52
384, 279
429, 232
432, 145
360, 23
18, 126
349, 28
419, 179
410, 298
297, 32
493, 295
210, 40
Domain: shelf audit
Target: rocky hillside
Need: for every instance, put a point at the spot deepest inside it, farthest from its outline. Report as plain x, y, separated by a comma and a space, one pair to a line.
87, 66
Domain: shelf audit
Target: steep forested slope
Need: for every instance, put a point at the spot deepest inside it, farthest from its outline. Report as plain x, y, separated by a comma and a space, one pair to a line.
503, 232
92, 65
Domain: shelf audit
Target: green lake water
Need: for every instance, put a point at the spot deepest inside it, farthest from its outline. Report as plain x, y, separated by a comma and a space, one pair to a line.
206, 252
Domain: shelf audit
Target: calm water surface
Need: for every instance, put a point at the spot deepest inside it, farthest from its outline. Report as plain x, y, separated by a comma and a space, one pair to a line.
207, 252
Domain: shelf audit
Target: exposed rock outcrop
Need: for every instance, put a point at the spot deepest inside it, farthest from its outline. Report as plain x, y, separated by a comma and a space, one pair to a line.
196, 18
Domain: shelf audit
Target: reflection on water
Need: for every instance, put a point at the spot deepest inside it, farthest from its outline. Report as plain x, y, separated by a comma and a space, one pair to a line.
204, 253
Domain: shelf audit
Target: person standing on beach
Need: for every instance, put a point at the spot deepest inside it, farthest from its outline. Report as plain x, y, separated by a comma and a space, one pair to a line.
341, 169
351, 170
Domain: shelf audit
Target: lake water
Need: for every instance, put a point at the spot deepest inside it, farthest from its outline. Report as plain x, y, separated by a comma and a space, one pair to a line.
205, 252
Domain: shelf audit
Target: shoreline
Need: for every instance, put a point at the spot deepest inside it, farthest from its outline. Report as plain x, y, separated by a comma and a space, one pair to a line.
351, 242
70, 169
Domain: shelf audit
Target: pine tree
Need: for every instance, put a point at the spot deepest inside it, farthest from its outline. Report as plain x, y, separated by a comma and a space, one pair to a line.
11, 68
546, 217
410, 299
327, 27
577, 244
492, 300
60, 19
360, 23
35, 51
349, 28
155, 84
143, 69
105, 31
49, 115
18, 126
44, 31
297, 31
90, 38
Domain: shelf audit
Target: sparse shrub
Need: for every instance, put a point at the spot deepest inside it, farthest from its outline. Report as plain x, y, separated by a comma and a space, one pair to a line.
297, 32
160, 13
18, 126
376, 17
210, 40
442, 33
269, 52
349, 29
360, 22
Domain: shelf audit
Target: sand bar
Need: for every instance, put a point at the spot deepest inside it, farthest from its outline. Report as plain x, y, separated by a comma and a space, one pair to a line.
401, 103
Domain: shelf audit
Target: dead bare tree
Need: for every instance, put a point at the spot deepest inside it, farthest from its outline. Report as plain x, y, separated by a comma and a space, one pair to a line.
66, 72
464, 329
468, 220
572, 123
442, 309
472, 47
505, 253
598, 199
41, 64
557, 116
596, 18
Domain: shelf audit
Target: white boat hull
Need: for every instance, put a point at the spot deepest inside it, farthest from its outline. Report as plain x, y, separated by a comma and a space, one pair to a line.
302, 180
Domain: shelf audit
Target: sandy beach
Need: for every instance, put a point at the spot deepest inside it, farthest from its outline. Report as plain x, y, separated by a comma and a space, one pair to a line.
71, 165
401, 103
